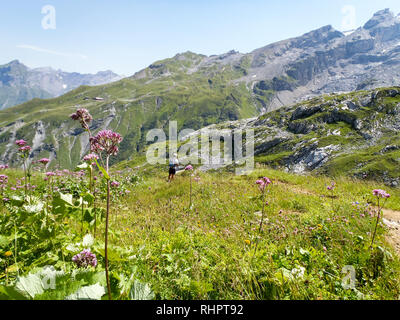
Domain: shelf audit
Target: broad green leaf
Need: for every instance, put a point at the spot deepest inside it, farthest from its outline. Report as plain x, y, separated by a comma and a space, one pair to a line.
113, 254
102, 170
34, 208
88, 197
63, 199
82, 166
36, 283
93, 292
30, 285
9, 293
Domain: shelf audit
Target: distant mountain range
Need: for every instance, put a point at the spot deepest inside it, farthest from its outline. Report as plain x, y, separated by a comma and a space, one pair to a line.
198, 90
19, 84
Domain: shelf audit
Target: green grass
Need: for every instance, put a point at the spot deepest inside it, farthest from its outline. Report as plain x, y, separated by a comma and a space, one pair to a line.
207, 251
202, 252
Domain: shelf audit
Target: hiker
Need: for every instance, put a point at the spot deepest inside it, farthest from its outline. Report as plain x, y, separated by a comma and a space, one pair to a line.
173, 164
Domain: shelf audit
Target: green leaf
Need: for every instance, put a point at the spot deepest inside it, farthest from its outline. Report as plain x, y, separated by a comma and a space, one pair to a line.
114, 255
82, 166
63, 199
304, 252
36, 283
93, 292
9, 293
34, 208
17, 201
88, 197
283, 275
102, 170
30, 285
140, 291
4, 241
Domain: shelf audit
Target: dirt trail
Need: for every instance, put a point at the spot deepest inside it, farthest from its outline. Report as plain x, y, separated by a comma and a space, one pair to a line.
391, 219
294, 188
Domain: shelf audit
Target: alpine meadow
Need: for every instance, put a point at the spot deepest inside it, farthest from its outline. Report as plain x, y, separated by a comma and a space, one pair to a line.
85, 215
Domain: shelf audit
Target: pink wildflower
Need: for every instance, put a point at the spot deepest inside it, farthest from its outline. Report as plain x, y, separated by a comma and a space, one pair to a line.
44, 161
90, 157
106, 141
25, 149
20, 143
267, 181
83, 116
115, 184
381, 193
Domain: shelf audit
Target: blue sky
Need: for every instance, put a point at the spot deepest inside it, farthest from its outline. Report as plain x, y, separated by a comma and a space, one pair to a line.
128, 35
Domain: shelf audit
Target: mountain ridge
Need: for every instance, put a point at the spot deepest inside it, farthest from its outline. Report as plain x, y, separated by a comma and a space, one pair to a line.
198, 90
19, 83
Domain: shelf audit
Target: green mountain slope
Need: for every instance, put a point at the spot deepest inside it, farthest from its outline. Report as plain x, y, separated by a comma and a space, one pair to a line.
353, 134
178, 89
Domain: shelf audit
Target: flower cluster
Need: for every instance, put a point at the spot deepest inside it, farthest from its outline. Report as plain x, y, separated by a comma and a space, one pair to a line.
262, 183
20, 143
90, 157
106, 141
25, 149
44, 161
189, 167
381, 193
85, 259
83, 116
3, 166
115, 184
331, 187
3, 181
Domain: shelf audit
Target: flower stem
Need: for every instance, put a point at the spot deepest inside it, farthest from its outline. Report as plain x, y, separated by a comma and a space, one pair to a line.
106, 234
377, 222
15, 256
261, 222
25, 180
190, 192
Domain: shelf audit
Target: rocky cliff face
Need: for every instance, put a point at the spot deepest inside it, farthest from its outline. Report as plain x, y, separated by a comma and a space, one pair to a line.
354, 134
326, 60
19, 84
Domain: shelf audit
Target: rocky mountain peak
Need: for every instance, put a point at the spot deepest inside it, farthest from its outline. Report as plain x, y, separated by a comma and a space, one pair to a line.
318, 36
14, 63
381, 18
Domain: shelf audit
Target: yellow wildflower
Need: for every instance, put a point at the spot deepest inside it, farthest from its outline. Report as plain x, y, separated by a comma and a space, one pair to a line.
8, 254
